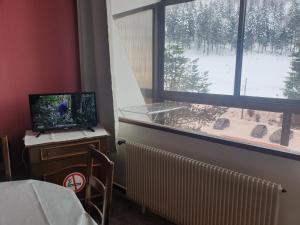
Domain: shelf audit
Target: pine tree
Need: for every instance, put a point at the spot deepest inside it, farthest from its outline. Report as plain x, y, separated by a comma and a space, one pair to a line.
293, 23
188, 24
279, 39
181, 73
199, 25
217, 30
172, 21
250, 27
263, 26
292, 82
205, 23
232, 18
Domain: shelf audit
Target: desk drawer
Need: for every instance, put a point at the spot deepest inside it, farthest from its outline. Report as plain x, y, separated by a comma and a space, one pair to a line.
67, 150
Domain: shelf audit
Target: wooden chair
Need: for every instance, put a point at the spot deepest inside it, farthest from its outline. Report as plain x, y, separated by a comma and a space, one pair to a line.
102, 185
6, 158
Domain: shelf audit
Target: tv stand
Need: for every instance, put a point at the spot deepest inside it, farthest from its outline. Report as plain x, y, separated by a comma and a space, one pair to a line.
91, 129
39, 133
55, 158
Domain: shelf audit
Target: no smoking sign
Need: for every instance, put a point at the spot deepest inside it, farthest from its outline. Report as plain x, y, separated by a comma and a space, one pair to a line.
75, 181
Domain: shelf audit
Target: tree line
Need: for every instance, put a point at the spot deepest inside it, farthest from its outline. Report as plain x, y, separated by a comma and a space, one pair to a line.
212, 26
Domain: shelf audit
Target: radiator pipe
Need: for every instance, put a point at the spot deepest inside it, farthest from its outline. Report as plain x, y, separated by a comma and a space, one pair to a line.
121, 141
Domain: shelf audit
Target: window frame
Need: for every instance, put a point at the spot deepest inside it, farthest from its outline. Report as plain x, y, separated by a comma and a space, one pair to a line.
285, 106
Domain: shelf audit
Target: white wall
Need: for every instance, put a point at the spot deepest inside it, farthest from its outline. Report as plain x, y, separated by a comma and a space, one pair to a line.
277, 169
119, 6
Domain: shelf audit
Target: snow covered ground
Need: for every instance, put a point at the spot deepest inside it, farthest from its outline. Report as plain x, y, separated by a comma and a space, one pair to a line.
265, 73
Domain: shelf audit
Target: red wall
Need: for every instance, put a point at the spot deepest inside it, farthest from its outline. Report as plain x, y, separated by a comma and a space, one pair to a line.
38, 54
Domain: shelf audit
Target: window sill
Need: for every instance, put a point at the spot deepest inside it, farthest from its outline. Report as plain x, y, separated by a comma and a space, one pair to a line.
272, 150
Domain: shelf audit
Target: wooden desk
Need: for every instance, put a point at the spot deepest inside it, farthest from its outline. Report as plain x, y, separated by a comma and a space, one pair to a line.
61, 157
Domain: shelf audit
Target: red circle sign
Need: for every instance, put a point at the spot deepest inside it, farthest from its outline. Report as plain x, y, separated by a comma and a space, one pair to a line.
74, 181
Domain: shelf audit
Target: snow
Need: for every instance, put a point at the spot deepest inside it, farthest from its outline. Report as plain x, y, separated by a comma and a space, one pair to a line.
265, 73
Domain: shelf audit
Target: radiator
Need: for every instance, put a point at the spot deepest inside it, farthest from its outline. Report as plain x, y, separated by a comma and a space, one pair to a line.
190, 192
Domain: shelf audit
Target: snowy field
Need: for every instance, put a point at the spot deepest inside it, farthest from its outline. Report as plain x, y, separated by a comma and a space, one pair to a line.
265, 73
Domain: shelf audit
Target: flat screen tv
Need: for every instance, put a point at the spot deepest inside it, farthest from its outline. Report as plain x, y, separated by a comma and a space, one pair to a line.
63, 111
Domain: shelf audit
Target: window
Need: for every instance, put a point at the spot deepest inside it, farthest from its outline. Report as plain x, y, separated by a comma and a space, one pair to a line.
254, 127
200, 46
269, 48
202, 38
234, 53
136, 32
226, 68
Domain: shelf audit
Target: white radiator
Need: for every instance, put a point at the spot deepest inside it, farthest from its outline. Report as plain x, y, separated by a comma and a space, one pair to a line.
189, 192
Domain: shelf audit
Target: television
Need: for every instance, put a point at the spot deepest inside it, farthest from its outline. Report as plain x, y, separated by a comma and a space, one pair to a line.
63, 111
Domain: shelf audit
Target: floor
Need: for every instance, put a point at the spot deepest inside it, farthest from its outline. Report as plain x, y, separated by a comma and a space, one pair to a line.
124, 212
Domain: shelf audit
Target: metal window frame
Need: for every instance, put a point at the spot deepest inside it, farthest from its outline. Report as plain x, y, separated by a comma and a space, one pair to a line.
240, 49
285, 106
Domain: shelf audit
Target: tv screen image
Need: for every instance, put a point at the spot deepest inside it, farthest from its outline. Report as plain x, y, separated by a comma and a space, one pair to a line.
61, 111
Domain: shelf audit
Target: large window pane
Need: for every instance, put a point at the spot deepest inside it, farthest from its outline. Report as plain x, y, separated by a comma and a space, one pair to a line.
200, 46
136, 32
271, 52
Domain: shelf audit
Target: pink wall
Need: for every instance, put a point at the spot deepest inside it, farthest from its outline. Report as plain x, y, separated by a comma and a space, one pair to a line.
38, 54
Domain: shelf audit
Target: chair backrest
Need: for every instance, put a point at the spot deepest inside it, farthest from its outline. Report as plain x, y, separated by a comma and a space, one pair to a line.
102, 185
6, 158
